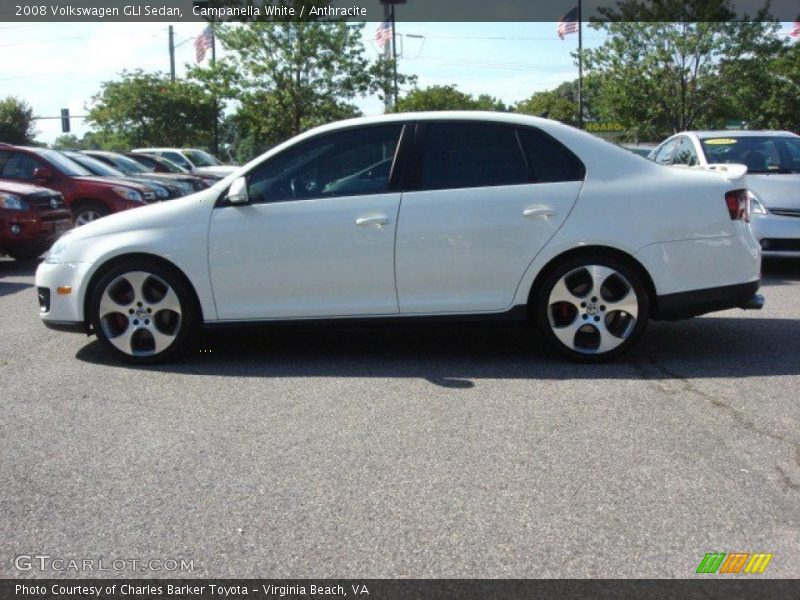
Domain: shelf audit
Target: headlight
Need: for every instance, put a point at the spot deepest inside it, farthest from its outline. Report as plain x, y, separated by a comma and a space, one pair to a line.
128, 194
161, 191
756, 208
57, 250
12, 202
186, 188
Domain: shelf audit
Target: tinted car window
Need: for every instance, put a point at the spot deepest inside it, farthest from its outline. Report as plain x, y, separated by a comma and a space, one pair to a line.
465, 155
685, 154
4, 156
177, 158
548, 160
664, 153
344, 163
20, 166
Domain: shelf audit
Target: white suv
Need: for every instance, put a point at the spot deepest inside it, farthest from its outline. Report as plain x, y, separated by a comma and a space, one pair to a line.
416, 216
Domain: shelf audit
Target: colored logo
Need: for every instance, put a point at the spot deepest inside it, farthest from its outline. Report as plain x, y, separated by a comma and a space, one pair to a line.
734, 562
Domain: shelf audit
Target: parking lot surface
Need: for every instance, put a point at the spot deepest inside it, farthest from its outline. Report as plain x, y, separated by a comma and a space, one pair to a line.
446, 451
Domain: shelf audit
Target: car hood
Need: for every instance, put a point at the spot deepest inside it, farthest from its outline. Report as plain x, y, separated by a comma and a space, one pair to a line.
106, 181
150, 216
220, 171
23, 189
776, 191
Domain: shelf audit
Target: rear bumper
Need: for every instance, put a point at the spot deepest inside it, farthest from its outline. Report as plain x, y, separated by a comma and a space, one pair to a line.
684, 305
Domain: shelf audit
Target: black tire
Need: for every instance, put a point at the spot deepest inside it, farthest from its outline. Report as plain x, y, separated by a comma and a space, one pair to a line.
143, 317
596, 314
86, 212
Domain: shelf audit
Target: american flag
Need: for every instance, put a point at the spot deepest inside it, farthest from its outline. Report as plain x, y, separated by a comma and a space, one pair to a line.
796, 30
383, 33
568, 23
202, 43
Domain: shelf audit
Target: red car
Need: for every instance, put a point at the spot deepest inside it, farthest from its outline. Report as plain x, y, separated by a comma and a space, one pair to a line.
31, 218
87, 196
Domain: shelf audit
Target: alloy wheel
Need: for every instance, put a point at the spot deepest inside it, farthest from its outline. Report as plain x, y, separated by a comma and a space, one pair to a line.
141, 315
592, 309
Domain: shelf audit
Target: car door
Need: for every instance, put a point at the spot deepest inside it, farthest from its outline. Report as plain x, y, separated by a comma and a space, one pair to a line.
316, 238
483, 199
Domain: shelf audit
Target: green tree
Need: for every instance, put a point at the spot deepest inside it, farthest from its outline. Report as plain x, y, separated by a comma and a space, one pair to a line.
16, 121
145, 109
67, 140
662, 77
287, 77
446, 97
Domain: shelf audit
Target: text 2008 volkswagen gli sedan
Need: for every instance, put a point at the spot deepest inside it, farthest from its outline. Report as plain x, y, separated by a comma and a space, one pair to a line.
416, 215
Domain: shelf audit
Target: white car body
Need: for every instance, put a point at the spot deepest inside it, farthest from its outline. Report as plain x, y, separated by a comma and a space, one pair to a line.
445, 252
777, 226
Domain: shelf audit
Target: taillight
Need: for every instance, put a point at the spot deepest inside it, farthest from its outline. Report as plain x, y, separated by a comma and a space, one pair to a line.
738, 205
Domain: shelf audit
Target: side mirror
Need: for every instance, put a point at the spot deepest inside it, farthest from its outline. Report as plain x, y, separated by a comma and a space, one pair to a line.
42, 174
237, 193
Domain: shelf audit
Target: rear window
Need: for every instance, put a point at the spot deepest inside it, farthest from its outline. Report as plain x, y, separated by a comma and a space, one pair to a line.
548, 160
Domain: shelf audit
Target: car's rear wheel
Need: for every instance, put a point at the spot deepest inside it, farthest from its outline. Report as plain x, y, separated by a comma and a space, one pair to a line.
592, 308
86, 212
143, 312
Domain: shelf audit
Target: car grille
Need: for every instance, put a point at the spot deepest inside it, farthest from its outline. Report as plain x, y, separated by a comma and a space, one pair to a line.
48, 202
785, 212
780, 245
44, 298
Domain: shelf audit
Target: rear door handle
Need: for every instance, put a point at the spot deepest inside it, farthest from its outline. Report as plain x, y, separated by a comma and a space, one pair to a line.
538, 211
372, 220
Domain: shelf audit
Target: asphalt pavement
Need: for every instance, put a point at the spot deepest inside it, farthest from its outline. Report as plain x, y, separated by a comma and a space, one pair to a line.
450, 451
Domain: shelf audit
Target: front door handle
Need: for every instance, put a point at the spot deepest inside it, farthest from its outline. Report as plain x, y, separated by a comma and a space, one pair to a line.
372, 220
538, 211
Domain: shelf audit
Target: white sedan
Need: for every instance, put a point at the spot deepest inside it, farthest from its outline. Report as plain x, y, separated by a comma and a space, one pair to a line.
772, 159
457, 215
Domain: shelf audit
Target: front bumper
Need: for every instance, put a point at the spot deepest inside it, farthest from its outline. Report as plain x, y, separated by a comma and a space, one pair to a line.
61, 308
685, 305
778, 235
32, 231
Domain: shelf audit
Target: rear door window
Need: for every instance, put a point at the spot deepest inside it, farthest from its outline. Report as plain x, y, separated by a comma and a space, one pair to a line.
548, 160
467, 155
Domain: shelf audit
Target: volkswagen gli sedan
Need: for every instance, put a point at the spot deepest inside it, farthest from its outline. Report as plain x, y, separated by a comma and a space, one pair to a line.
432, 215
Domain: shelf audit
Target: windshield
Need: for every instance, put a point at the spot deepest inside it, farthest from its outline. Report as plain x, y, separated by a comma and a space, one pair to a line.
201, 159
64, 164
129, 166
761, 154
95, 166
170, 166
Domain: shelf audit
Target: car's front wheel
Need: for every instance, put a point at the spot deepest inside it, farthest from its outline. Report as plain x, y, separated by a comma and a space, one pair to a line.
142, 311
592, 308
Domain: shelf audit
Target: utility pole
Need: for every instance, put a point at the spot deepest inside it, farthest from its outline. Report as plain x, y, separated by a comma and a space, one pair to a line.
172, 53
216, 108
580, 65
387, 54
394, 57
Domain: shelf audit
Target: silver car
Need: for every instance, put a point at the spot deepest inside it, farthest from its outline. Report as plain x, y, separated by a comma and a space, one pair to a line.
772, 159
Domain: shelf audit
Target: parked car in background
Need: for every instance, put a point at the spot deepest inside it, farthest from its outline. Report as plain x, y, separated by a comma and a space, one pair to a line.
131, 168
503, 216
157, 191
194, 159
88, 197
159, 164
772, 159
31, 219
640, 149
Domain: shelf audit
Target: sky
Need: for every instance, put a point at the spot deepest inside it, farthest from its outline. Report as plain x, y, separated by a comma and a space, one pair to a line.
61, 65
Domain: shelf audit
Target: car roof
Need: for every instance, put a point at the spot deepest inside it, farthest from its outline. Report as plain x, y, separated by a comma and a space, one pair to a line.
739, 133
